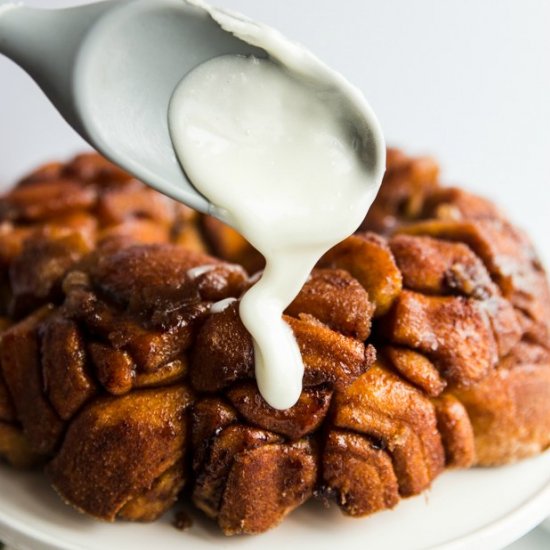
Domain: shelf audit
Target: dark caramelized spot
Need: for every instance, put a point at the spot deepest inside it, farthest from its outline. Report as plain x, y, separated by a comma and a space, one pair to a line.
303, 418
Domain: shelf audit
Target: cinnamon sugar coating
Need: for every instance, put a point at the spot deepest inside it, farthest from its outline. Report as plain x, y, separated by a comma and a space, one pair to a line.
425, 340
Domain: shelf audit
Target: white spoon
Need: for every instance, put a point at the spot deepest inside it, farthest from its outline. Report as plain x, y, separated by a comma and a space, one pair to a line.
111, 68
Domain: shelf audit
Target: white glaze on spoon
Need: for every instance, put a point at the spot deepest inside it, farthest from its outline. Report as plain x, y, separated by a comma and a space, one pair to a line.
293, 156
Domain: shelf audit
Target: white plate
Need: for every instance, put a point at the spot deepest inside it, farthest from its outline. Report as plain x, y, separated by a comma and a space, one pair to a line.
476, 509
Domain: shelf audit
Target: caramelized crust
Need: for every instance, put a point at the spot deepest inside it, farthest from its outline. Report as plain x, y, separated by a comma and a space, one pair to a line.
149, 348
407, 184
174, 371
146, 279
329, 357
40, 200
509, 412
117, 205
223, 352
508, 256
416, 368
36, 273
454, 333
225, 447
303, 418
358, 474
114, 368
117, 373
438, 267
20, 361
400, 419
456, 432
337, 300
368, 258
209, 417
66, 380
451, 203
265, 484
430, 266
227, 244
117, 449
251, 479
152, 503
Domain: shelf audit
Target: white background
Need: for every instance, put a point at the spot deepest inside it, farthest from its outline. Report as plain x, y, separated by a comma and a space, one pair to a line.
465, 80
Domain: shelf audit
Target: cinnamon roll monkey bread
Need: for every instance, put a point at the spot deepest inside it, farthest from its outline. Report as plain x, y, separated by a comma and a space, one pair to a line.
424, 337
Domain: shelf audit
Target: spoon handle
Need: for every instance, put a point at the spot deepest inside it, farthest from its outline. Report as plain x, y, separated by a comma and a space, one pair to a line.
12, 32
45, 43
38, 41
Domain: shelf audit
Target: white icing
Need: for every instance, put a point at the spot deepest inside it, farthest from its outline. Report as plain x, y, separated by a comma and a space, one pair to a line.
256, 277
196, 272
284, 148
222, 305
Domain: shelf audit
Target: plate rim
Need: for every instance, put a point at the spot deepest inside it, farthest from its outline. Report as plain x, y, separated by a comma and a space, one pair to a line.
494, 535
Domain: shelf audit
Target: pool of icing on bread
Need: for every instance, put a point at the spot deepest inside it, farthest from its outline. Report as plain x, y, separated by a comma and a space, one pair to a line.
284, 147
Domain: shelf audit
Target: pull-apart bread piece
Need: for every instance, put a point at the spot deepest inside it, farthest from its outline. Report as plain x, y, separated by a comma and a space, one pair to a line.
425, 339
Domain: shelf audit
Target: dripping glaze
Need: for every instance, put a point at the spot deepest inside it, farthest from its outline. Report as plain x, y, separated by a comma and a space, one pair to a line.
292, 156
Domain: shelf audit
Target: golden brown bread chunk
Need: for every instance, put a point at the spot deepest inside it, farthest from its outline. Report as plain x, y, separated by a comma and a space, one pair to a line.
305, 417
416, 368
336, 299
36, 273
509, 409
250, 479
149, 348
359, 474
438, 267
441, 268
114, 371
209, 416
368, 259
453, 203
134, 201
400, 419
146, 279
41, 200
117, 449
454, 332
328, 356
265, 484
66, 379
407, 184
223, 352
20, 361
224, 447
153, 502
507, 255
457, 434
